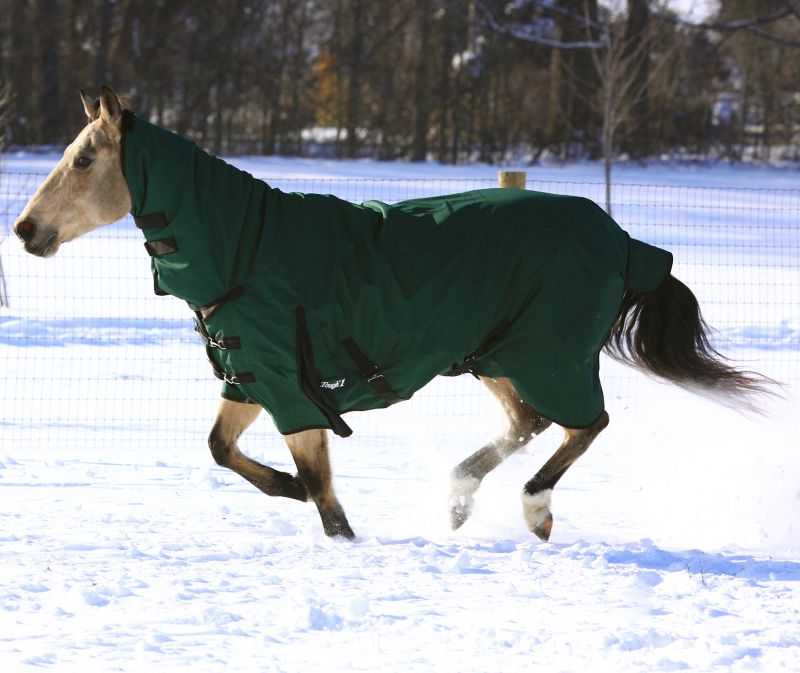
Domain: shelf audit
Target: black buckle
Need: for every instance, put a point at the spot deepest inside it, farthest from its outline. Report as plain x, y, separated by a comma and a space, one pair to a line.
223, 343
235, 379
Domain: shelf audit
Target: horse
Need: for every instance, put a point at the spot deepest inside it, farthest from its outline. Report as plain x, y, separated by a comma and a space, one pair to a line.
485, 259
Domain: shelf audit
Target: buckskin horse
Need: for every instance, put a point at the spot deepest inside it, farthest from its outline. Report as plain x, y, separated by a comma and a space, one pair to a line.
311, 306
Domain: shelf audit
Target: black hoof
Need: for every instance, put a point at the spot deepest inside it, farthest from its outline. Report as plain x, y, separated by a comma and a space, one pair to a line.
543, 530
338, 529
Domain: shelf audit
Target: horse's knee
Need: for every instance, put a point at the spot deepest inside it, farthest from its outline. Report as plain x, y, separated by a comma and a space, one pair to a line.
220, 448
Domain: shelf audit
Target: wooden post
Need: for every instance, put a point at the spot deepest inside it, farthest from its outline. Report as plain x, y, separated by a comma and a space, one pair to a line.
514, 179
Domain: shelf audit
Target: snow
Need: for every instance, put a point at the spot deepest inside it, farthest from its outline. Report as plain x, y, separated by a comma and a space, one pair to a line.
123, 547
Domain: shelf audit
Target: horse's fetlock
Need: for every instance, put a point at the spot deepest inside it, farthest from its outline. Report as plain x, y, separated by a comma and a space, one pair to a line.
536, 509
462, 484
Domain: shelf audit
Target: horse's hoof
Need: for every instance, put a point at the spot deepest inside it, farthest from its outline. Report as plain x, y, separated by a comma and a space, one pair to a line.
536, 508
340, 530
461, 489
460, 510
338, 527
543, 531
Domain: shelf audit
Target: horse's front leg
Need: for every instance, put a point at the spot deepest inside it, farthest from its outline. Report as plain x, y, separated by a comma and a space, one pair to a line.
233, 418
310, 452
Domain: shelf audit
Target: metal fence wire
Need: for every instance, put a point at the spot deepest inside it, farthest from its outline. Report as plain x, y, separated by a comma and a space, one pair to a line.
90, 355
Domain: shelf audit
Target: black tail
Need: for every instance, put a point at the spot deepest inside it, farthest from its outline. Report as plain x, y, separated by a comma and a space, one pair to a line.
663, 333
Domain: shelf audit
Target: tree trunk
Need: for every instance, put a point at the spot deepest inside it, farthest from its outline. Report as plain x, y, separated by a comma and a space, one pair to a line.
637, 47
421, 111
355, 53
46, 111
103, 43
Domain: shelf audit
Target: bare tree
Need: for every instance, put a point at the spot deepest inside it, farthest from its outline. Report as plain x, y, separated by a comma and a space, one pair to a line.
625, 67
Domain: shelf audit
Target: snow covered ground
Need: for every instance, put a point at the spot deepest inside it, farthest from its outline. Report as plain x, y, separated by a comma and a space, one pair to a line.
676, 544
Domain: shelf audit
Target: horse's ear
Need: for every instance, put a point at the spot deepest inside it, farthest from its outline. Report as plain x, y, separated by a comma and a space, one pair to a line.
90, 106
110, 107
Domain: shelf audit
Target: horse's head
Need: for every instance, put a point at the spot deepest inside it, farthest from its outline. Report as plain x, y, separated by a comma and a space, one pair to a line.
86, 189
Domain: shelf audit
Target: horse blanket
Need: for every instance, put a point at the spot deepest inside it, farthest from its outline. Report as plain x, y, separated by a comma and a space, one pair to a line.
312, 306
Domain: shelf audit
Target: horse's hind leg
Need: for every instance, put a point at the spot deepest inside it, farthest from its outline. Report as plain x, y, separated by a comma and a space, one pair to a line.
233, 418
310, 452
523, 424
537, 492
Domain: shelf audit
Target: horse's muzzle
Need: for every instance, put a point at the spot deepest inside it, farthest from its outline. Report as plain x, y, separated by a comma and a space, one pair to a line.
25, 230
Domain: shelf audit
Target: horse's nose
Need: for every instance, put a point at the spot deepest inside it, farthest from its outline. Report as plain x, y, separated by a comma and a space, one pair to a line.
25, 230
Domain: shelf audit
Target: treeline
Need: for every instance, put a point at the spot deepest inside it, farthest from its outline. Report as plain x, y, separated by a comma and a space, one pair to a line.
451, 80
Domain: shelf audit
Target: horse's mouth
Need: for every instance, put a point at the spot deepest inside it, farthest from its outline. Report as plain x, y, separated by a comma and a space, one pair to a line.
46, 248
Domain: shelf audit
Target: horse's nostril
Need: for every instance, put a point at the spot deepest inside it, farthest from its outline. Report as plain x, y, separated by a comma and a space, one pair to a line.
26, 230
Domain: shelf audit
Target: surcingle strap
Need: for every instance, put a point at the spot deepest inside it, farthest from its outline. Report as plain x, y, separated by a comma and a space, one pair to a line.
307, 380
150, 222
369, 370
162, 246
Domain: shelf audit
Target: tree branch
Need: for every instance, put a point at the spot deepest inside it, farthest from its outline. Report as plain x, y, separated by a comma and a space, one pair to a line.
752, 25
532, 33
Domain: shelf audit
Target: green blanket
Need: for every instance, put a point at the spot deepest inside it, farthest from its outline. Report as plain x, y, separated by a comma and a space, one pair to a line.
316, 306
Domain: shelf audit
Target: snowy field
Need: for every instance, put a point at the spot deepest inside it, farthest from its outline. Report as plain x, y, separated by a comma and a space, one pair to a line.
676, 544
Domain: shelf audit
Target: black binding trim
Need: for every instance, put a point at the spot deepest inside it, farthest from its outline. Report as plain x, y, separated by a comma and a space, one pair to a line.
218, 303
150, 222
231, 398
306, 378
369, 370
468, 365
162, 246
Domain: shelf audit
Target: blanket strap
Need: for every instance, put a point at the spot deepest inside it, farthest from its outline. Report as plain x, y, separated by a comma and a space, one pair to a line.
150, 222
468, 365
369, 370
161, 246
222, 343
234, 379
306, 377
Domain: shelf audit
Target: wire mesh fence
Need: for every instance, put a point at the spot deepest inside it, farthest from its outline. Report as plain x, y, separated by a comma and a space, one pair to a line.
91, 356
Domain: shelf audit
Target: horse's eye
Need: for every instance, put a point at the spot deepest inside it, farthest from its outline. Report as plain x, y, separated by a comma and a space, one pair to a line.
83, 161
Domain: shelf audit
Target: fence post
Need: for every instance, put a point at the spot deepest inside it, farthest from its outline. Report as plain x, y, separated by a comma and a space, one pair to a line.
514, 179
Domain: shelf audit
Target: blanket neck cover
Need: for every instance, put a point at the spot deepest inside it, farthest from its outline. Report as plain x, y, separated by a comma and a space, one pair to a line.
315, 306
